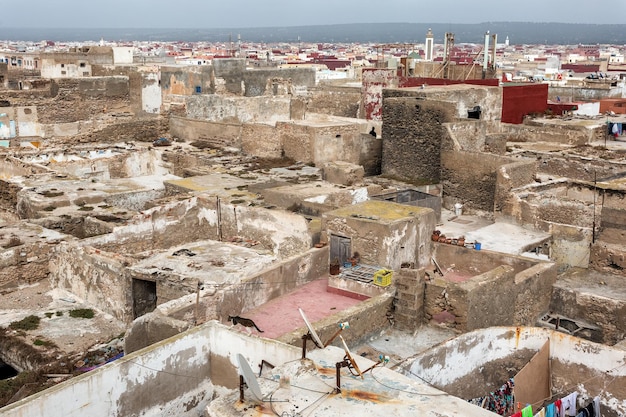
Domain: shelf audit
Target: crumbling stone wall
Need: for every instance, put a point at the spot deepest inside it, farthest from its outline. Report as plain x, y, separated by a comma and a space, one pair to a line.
82, 99
592, 307
95, 276
276, 82
575, 167
535, 132
8, 196
171, 224
335, 101
214, 134
466, 135
261, 140
412, 137
127, 130
409, 303
499, 290
470, 178
371, 154
24, 264
512, 176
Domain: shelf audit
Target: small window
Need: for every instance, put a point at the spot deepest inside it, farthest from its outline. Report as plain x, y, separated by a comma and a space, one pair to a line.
85, 73
82, 65
62, 65
198, 89
63, 72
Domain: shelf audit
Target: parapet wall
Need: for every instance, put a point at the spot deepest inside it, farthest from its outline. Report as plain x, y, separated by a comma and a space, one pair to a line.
485, 288
529, 132
177, 376
576, 365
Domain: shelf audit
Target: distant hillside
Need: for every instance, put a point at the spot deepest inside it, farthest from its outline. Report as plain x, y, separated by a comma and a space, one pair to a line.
518, 33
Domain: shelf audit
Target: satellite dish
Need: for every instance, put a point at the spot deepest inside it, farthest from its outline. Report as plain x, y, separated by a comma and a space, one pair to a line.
351, 358
316, 339
246, 372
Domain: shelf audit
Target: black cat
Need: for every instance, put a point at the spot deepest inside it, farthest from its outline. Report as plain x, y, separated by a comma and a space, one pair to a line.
244, 322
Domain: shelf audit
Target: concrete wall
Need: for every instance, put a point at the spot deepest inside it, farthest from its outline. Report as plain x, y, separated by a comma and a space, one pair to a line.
178, 377
588, 93
182, 81
463, 98
27, 122
576, 365
122, 55
151, 93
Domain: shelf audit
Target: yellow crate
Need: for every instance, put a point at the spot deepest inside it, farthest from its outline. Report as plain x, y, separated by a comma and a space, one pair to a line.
382, 277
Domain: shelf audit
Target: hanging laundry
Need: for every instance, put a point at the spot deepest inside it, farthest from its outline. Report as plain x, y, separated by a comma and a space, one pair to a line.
499, 401
568, 404
527, 411
551, 410
615, 130
590, 410
541, 413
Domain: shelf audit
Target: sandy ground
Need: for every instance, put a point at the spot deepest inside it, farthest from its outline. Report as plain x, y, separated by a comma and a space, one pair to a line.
71, 335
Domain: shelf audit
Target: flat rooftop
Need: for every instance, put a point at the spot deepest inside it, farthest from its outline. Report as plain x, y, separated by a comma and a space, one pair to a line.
308, 389
379, 211
499, 237
281, 316
208, 261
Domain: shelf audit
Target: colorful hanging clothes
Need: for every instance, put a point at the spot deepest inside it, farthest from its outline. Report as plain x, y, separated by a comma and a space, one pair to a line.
527, 411
499, 401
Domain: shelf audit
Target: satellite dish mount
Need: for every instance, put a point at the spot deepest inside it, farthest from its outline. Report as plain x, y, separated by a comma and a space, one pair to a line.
247, 378
313, 336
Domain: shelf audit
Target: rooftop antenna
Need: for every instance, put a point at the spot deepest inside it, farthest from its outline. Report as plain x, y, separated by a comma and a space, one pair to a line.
349, 362
247, 377
312, 334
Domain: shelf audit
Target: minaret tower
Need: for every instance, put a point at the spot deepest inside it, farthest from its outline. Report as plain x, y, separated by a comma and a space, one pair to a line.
429, 46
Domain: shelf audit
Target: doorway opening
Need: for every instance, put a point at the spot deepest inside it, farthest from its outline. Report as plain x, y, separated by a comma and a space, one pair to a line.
144, 297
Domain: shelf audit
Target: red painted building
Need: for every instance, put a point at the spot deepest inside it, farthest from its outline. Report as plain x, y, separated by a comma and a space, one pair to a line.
519, 100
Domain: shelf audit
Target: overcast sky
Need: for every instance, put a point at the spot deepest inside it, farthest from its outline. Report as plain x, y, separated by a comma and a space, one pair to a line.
263, 13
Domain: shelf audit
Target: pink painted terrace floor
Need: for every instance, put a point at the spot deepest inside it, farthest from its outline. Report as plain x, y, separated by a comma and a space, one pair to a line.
281, 316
